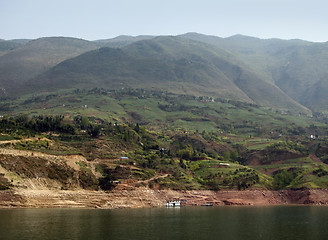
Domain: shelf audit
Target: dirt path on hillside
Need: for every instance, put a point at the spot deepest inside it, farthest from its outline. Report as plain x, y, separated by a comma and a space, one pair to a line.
154, 178
314, 158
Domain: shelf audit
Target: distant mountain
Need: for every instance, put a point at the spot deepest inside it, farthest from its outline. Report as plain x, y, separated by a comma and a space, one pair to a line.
266, 57
26, 61
122, 40
20, 41
270, 72
297, 67
6, 46
173, 64
316, 96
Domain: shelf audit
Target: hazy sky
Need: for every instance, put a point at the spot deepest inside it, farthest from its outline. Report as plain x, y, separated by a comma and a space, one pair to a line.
102, 19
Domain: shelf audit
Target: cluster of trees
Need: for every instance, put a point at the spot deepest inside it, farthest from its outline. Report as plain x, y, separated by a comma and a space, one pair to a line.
38, 124
284, 177
288, 145
246, 178
320, 172
40, 98
109, 176
80, 124
241, 178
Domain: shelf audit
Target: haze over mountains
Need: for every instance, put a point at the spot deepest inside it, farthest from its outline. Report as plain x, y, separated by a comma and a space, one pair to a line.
28, 60
285, 74
297, 67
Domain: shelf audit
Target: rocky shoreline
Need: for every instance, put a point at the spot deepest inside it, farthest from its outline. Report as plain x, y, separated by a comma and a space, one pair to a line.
145, 197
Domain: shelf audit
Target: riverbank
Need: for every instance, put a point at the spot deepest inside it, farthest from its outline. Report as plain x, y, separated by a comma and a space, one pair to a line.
145, 197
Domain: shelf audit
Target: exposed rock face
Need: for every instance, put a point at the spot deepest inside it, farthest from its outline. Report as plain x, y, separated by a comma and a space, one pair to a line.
40, 171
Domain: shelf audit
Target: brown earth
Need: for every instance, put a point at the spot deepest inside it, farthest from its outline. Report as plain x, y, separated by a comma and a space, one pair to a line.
145, 197
277, 157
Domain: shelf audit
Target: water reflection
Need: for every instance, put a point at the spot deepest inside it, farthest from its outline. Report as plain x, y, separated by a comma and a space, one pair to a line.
236, 223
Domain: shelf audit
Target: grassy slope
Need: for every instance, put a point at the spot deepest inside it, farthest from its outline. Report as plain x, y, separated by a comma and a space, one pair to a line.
218, 132
167, 63
157, 109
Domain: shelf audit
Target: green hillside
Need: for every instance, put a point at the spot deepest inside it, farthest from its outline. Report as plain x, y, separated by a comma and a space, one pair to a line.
189, 112
160, 110
172, 64
190, 142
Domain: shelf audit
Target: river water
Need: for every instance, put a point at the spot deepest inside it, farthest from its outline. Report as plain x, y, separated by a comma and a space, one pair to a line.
237, 223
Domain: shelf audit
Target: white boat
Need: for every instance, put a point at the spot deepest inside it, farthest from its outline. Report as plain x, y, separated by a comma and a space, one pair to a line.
175, 203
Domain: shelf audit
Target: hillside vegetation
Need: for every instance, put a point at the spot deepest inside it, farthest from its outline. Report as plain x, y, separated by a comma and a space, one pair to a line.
160, 110
176, 160
286, 73
190, 112
165, 63
171, 141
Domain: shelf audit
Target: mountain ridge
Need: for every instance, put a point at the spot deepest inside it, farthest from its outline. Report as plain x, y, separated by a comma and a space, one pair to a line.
296, 67
293, 65
167, 63
36, 56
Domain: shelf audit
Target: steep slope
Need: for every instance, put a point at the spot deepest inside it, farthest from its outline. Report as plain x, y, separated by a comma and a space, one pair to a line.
264, 56
305, 75
316, 96
35, 57
167, 63
295, 66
